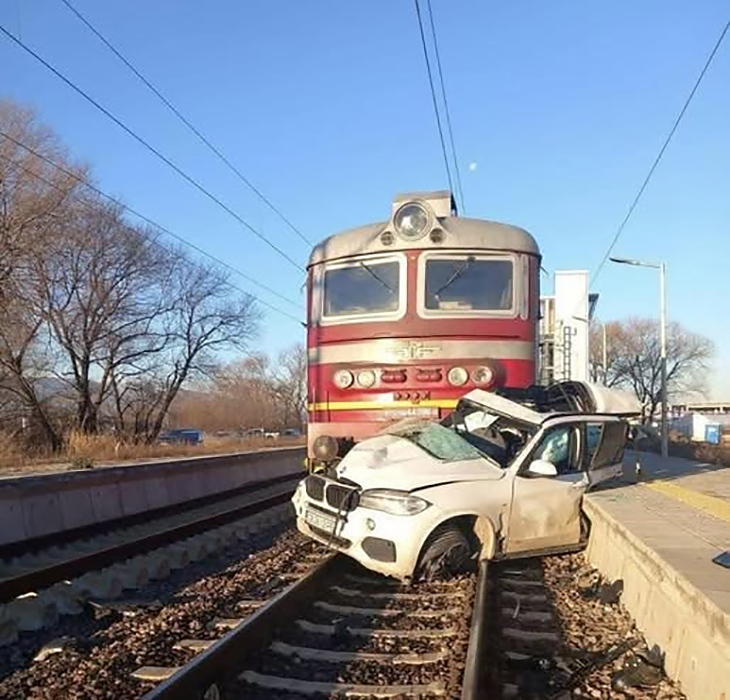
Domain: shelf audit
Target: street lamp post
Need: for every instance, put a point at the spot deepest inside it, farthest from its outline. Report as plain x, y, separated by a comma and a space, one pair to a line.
605, 354
662, 338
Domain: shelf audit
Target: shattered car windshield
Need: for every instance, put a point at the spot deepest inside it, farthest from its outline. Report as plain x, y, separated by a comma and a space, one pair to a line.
441, 442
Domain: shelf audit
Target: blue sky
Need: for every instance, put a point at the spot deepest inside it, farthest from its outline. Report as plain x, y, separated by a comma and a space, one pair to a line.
324, 105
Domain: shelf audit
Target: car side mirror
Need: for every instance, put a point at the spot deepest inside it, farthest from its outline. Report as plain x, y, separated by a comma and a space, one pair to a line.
542, 468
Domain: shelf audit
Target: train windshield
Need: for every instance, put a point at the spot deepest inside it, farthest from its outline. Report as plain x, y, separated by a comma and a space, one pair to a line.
362, 288
468, 284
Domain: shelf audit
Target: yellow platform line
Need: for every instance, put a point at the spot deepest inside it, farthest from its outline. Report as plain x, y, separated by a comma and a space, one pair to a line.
717, 507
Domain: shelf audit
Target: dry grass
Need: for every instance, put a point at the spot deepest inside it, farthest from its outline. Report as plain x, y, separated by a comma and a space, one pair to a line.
89, 451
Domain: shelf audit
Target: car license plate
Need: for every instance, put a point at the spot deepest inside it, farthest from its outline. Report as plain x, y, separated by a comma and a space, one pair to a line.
319, 520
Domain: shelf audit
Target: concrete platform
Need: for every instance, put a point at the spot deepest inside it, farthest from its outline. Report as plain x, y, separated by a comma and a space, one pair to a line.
659, 534
40, 505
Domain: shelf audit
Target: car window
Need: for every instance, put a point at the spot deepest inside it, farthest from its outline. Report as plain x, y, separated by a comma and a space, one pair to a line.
559, 447
594, 434
611, 448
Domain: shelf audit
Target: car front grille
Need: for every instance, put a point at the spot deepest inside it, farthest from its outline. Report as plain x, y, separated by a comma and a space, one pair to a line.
342, 497
315, 487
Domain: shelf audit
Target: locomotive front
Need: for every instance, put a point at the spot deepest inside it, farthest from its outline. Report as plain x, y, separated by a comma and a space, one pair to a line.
406, 316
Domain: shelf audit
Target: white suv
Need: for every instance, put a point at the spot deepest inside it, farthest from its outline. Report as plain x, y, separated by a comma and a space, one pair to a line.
498, 478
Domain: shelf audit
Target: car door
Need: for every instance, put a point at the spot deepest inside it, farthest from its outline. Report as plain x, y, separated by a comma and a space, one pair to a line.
544, 511
605, 441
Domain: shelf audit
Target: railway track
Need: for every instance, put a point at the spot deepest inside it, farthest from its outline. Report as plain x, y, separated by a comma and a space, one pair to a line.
36, 587
338, 631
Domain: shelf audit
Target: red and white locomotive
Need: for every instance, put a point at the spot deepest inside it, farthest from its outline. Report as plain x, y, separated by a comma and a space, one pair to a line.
406, 316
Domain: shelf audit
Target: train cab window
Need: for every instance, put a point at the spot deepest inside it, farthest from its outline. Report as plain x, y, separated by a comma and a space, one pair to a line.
468, 283
367, 287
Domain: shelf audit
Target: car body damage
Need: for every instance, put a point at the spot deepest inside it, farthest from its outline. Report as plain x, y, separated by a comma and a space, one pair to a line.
503, 476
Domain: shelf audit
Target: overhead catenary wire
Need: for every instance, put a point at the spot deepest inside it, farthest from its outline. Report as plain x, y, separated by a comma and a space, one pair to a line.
186, 121
447, 113
667, 140
149, 147
151, 222
433, 95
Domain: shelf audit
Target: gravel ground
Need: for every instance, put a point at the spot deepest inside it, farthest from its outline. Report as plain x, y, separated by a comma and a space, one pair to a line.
106, 646
590, 625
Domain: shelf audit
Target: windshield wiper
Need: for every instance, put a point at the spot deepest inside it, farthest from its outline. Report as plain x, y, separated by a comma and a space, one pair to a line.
382, 281
457, 273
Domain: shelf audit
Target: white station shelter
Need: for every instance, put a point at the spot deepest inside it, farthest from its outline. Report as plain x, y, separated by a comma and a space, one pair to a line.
565, 328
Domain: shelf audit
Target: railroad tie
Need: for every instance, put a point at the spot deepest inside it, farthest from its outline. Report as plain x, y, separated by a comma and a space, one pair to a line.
529, 635
194, 645
355, 593
383, 612
336, 657
347, 689
331, 630
154, 674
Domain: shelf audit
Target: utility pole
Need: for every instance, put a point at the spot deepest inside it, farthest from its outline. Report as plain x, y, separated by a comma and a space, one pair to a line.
662, 338
663, 351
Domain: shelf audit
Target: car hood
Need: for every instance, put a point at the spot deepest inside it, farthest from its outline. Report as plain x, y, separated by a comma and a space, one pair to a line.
393, 462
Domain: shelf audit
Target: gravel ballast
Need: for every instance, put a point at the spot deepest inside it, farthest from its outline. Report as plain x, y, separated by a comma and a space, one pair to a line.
106, 646
589, 625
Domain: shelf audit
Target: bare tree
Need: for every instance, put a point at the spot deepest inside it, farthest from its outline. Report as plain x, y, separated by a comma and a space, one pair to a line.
35, 201
207, 317
98, 290
101, 322
634, 360
291, 386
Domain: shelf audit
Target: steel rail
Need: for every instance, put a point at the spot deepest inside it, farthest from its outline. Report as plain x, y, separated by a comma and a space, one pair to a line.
475, 682
46, 576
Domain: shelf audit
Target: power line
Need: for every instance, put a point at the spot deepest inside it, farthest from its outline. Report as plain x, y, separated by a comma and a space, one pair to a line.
433, 96
149, 147
662, 150
446, 106
185, 121
146, 219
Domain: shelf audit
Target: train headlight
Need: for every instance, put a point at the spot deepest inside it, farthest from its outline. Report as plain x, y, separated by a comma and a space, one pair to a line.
412, 221
343, 378
457, 376
366, 378
483, 375
325, 447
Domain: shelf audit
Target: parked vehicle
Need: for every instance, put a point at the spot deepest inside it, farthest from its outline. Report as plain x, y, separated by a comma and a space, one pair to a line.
498, 478
182, 436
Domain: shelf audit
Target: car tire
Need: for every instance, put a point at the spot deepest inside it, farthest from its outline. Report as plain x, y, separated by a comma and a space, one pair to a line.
446, 552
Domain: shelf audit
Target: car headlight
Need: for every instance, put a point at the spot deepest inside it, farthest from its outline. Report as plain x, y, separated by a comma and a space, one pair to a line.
393, 502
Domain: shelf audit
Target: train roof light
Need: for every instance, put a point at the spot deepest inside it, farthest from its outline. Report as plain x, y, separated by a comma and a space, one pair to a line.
441, 203
412, 221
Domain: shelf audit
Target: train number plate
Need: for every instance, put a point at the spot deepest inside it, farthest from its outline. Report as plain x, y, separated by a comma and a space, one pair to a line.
319, 520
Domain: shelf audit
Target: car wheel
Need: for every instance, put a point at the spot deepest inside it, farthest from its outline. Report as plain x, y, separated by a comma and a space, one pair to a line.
445, 553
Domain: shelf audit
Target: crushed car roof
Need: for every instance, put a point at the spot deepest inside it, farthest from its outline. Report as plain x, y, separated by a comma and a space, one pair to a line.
569, 397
